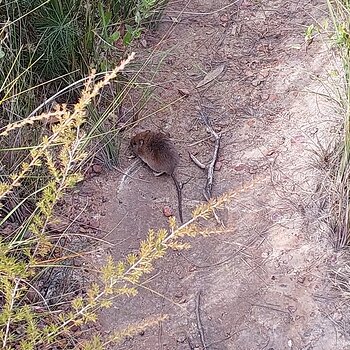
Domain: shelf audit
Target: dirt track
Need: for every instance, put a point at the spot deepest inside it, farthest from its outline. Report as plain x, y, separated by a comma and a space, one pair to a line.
262, 283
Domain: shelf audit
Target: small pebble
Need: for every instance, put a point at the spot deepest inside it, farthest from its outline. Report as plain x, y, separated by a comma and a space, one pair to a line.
184, 92
218, 166
240, 167
251, 122
167, 211
224, 18
179, 294
337, 316
97, 168
257, 82
181, 338
301, 279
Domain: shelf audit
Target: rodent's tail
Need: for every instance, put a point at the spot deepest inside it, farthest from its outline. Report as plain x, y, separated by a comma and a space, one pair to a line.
179, 196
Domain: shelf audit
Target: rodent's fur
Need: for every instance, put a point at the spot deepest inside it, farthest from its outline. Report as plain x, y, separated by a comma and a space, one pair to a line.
159, 153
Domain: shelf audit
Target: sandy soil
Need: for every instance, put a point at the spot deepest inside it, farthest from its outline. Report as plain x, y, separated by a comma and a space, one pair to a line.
263, 283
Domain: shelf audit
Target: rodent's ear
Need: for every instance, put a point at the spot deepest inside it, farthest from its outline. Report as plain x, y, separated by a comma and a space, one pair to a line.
147, 131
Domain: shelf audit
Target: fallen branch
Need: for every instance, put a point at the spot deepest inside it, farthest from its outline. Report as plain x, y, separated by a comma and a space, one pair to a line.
208, 189
210, 167
210, 174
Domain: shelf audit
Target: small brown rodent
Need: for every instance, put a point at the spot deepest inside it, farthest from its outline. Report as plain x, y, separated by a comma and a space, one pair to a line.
159, 153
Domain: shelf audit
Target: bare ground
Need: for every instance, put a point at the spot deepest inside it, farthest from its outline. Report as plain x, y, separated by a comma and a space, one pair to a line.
263, 283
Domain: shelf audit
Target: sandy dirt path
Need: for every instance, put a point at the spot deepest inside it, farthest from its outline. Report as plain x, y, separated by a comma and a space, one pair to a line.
263, 282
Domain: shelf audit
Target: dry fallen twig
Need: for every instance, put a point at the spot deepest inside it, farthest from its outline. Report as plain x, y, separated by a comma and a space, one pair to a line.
160, 335
209, 184
210, 173
197, 162
210, 167
199, 323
